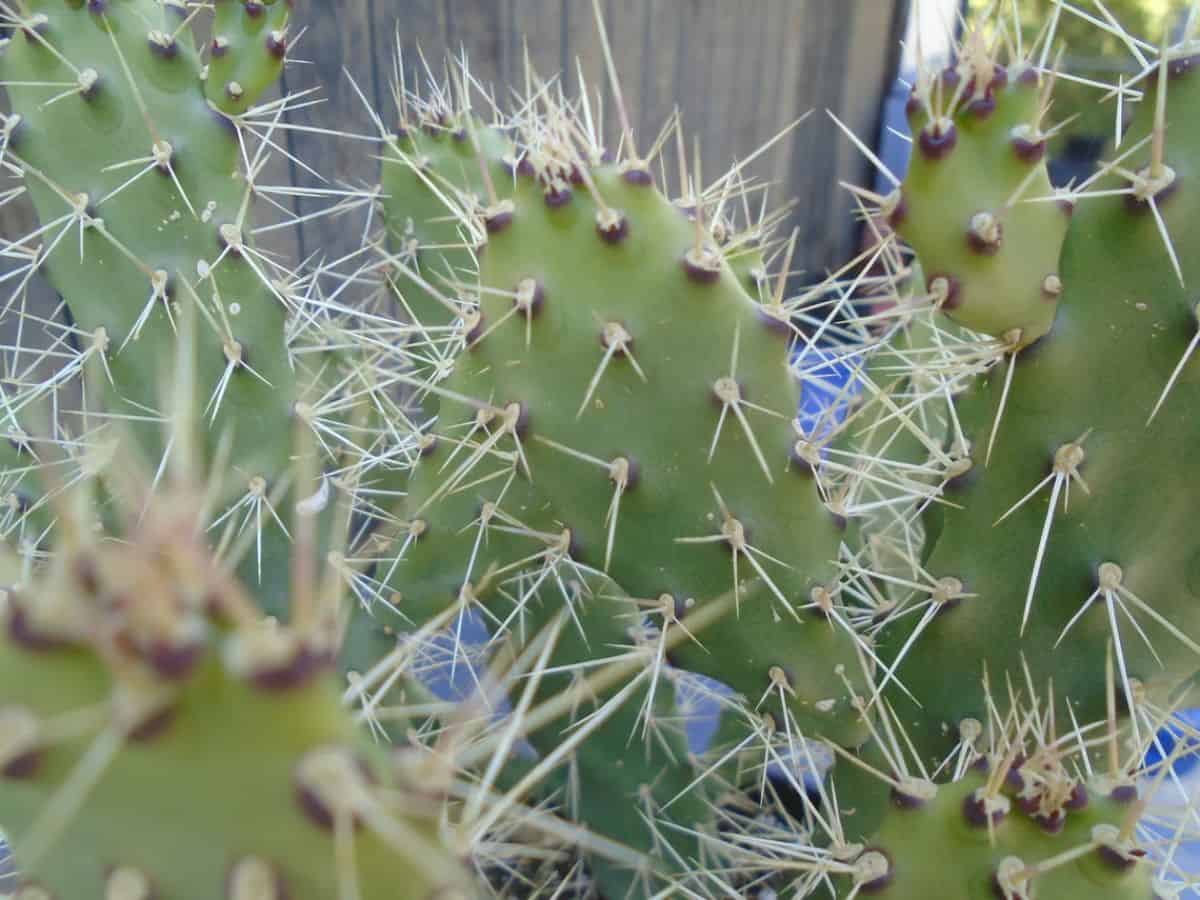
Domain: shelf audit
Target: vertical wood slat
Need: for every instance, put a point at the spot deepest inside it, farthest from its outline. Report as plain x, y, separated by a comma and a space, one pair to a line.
737, 71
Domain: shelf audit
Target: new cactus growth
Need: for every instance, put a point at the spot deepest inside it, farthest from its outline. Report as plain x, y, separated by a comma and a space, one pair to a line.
979, 145
549, 433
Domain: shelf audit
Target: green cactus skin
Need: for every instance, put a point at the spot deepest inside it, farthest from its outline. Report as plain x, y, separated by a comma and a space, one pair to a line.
605, 335
975, 862
1072, 416
642, 302
160, 739
990, 256
250, 41
166, 221
617, 783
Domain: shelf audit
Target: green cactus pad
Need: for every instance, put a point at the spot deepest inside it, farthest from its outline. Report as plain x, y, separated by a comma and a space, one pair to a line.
1104, 476
611, 313
971, 203
249, 43
137, 181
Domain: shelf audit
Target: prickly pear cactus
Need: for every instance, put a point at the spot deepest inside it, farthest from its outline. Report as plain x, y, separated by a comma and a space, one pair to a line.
624, 406
537, 473
159, 737
1058, 543
979, 144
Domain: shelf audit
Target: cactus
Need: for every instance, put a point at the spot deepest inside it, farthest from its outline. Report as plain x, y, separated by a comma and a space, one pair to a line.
433, 190
552, 402
1038, 541
162, 738
136, 658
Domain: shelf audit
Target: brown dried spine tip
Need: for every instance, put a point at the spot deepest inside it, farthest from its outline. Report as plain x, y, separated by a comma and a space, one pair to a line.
529, 297
912, 793
945, 292
983, 810
937, 139
26, 635
615, 337
872, 871
88, 83
1150, 184
1078, 798
1026, 74
1027, 143
625, 471
152, 724
820, 605
1052, 822
20, 755
727, 391
277, 44
162, 44
472, 328
806, 456
229, 238
1009, 879
174, 661
497, 218
1123, 794
1113, 850
273, 657
557, 195
295, 673
947, 593
612, 226
37, 24
638, 174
